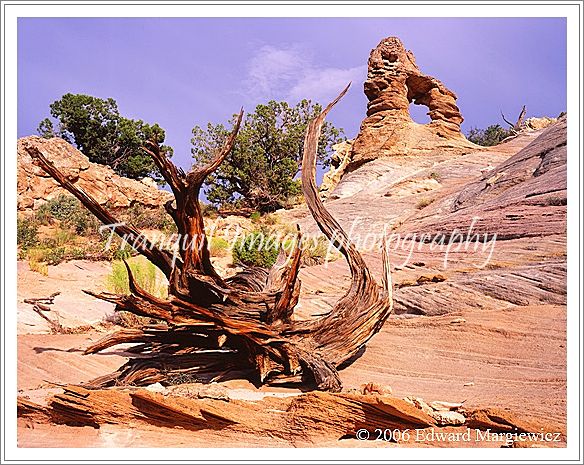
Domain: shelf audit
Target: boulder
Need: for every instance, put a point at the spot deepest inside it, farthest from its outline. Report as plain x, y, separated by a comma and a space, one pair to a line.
35, 187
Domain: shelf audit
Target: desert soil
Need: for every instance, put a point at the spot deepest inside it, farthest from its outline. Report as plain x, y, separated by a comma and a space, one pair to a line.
513, 358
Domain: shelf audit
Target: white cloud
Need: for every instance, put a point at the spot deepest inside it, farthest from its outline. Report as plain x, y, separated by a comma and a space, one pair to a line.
290, 73
325, 84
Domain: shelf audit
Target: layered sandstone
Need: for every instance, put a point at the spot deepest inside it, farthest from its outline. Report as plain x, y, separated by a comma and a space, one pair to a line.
394, 82
35, 186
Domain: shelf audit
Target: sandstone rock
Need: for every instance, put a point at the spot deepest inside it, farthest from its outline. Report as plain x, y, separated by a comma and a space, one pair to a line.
420, 404
442, 406
375, 388
35, 187
393, 82
448, 418
539, 123
339, 161
524, 196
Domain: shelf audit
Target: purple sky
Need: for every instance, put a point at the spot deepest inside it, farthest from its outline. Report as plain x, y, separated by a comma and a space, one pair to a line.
185, 71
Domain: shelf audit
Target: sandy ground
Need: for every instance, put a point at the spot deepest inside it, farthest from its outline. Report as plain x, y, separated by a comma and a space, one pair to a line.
513, 359
72, 307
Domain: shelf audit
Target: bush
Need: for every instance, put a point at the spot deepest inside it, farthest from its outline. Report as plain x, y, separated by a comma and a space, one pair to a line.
255, 249
69, 211
317, 252
490, 136
218, 247
27, 235
423, 203
145, 273
209, 211
149, 218
47, 253
148, 278
36, 262
40, 257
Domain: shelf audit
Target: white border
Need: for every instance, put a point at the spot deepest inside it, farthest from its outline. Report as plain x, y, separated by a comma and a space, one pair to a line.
301, 9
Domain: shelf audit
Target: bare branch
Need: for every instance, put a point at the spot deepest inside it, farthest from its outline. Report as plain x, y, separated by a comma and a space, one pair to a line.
161, 258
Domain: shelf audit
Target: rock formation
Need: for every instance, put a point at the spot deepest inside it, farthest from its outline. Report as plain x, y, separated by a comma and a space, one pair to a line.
339, 161
525, 196
394, 81
35, 186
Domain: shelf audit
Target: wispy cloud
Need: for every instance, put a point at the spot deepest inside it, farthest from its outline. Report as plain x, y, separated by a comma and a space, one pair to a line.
291, 73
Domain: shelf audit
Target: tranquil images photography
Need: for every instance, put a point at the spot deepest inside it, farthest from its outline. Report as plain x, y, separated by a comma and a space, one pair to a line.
292, 232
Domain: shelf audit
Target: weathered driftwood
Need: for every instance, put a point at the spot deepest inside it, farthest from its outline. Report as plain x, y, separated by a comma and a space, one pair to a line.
240, 326
519, 124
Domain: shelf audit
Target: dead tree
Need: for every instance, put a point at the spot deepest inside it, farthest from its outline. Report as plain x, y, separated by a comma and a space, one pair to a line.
243, 326
519, 124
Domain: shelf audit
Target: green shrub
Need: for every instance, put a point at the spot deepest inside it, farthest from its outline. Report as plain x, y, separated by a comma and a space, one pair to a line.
218, 247
490, 136
62, 237
255, 249
270, 219
27, 235
35, 262
54, 256
45, 255
69, 211
43, 215
317, 252
148, 278
209, 211
255, 217
59, 208
145, 273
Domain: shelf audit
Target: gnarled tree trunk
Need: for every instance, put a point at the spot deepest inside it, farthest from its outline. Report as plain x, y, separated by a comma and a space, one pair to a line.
242, 326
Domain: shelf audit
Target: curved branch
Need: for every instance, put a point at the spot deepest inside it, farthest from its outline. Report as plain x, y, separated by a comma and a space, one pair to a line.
361, 312
325, 221
283, 280
511, 125
163, 259
197, 176
170, 172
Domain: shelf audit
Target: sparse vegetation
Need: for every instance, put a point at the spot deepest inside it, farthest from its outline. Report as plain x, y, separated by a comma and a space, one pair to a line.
69, 212
209, 210
27, 235
317, 252
219, 247
147, 276
271, 219
435, 176
423, 203
36, 262
149, 218
256, 249
255, 217
490, 136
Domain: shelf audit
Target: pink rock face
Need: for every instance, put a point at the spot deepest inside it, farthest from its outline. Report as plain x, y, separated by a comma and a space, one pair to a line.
394, 82
35, 186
